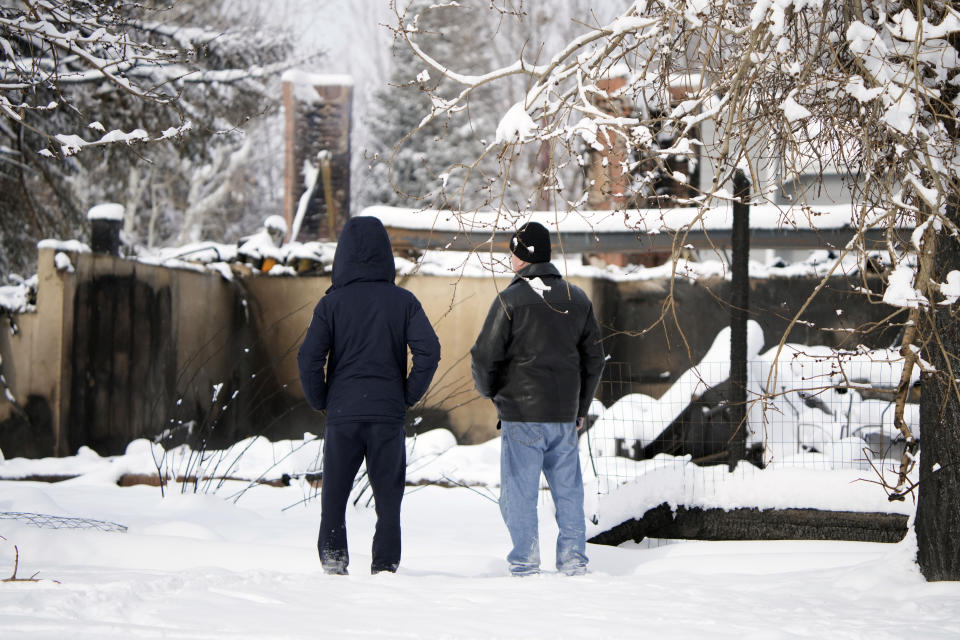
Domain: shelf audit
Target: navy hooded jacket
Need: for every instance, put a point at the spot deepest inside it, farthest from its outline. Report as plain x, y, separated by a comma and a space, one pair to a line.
353, 360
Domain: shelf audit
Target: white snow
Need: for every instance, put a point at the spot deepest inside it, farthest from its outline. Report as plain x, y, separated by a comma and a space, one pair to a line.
106, 211
62, 262
482, 264
900, 291
275, 222
15, 297
205, 566
586, 128
299, 76
951, 288
516, 125
118, 135
718, 216
260, 245
68, 246
804, 409
793, 110
305, 83
538, 286
856, 88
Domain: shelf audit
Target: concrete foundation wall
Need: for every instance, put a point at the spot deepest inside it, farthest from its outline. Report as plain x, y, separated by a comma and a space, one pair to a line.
457, 308
31, 346
119, 350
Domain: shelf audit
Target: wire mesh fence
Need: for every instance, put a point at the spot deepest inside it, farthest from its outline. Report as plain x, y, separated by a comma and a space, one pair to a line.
809, 407
45, 521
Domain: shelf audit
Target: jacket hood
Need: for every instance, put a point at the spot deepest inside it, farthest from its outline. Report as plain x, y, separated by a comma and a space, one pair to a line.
363, 253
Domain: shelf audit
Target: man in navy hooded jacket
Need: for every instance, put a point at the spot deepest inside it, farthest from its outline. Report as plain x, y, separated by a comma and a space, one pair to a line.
353, 367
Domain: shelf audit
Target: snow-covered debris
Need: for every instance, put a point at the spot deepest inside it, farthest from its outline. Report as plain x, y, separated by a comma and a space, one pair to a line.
19, 297
804, 407
106, 211
678, 482
198, 252
276, 223
259, 246
637, 418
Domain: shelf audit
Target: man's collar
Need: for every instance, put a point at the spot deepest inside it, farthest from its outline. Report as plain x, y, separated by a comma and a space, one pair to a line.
537, 269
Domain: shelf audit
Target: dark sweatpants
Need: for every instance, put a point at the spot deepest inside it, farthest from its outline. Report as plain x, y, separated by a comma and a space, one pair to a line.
344, 448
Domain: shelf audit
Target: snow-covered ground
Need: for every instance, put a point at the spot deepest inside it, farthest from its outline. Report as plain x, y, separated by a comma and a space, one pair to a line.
213, 566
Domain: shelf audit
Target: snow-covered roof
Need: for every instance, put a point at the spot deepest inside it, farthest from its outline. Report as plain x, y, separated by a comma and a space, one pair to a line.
651, 221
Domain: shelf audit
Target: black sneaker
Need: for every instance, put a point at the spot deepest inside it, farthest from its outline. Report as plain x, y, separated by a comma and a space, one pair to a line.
386, 569
335, 570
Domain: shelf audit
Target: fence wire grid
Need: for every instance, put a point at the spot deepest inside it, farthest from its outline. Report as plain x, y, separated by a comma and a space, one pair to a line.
806, 410
45, 521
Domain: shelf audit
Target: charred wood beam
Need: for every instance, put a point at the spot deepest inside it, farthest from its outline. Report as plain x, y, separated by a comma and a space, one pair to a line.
695, 523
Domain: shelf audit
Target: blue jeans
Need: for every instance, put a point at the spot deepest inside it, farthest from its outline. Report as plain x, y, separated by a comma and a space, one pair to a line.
526, 449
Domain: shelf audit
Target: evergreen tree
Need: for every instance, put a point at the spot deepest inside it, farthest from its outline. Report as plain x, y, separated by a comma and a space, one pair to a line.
407, 161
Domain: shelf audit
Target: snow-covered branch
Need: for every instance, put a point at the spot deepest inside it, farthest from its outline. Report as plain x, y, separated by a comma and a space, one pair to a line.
794, 93
51, 45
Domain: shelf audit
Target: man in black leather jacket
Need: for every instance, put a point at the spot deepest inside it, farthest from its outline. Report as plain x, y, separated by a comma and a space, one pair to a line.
539, 358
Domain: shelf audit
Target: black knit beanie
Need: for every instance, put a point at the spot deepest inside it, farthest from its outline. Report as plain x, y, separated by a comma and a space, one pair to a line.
531, 243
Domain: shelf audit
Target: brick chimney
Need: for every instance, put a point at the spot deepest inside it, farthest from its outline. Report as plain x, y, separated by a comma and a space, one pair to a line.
608, 181
317, 119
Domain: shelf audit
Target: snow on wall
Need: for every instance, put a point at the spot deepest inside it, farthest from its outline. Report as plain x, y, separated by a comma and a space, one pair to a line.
298, 76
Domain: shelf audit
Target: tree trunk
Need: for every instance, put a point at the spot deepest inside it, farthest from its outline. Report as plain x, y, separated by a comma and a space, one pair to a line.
938, 507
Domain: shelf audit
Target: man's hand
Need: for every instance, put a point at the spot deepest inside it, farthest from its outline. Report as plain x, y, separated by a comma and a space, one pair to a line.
580, 423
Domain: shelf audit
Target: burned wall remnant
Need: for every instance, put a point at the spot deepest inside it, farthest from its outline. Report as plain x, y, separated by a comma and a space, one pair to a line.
28, 432
661, 344
317, 137
123, 362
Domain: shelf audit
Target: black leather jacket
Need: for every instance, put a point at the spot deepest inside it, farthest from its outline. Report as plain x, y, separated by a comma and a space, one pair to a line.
539, 358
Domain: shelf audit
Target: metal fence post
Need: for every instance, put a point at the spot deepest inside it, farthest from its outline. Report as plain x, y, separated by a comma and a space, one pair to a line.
739, 306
